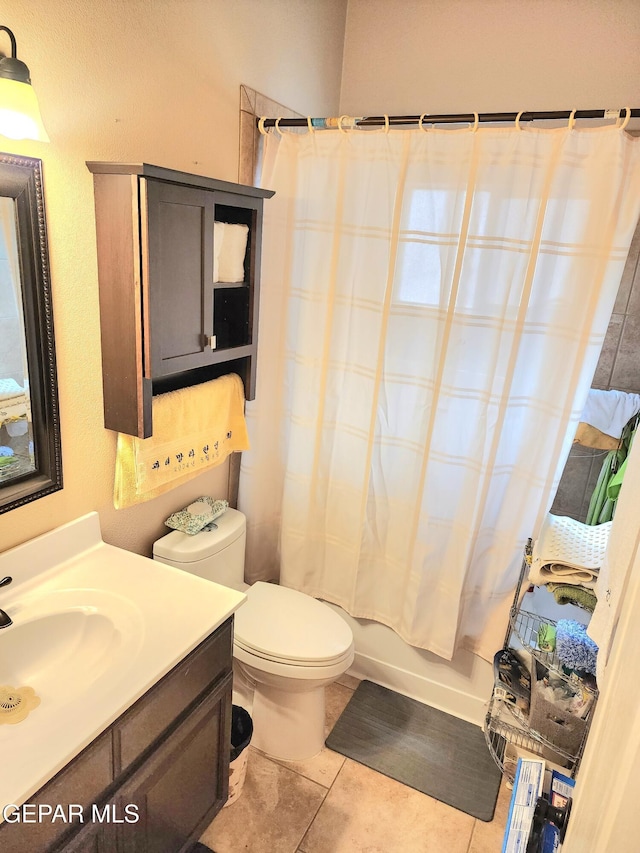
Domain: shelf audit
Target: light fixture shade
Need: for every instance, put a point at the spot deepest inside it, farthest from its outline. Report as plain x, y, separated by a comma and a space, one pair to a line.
19, 111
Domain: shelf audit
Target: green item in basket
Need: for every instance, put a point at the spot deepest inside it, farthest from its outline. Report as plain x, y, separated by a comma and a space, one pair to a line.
546, 637
565, 593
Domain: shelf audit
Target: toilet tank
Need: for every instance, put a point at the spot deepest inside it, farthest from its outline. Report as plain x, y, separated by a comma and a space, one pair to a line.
216, 555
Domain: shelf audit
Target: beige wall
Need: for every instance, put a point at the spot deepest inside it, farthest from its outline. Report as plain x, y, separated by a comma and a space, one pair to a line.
155, 81
414, 56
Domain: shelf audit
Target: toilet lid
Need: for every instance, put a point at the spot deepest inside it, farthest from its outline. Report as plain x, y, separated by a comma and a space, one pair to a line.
284, 624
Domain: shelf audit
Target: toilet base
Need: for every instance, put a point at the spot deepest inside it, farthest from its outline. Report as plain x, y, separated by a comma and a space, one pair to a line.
288, 725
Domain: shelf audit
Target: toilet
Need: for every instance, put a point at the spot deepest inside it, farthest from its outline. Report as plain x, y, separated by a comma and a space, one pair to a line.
286, 643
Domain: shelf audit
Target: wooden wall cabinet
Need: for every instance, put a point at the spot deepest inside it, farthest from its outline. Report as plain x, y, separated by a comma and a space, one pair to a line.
165, 323
168, 756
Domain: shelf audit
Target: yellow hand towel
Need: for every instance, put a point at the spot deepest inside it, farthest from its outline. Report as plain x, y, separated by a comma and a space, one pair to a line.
194, 429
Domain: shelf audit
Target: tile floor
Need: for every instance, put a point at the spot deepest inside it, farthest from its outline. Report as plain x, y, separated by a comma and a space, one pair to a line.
331, 804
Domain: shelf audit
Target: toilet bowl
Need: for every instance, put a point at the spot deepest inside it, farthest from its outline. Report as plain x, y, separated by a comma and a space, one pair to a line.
287, 645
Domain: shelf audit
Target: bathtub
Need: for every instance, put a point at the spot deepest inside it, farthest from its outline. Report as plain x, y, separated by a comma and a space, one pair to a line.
461, 687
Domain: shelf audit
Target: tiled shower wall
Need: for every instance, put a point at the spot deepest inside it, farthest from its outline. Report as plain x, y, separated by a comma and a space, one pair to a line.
618, 368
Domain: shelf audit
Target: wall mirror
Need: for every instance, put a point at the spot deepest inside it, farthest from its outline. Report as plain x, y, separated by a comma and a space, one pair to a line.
30, 454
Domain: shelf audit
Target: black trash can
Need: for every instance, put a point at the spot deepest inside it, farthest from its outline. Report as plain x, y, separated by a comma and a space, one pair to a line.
241, 732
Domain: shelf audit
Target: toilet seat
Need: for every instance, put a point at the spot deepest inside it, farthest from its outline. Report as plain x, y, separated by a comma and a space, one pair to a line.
290, 629
248, 653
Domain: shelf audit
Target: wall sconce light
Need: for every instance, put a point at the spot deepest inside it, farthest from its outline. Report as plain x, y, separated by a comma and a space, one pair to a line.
19, 111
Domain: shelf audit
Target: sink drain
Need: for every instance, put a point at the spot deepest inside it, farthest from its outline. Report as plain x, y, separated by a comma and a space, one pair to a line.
16, 703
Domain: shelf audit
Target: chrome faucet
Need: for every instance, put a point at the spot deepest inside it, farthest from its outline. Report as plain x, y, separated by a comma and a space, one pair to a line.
5, 620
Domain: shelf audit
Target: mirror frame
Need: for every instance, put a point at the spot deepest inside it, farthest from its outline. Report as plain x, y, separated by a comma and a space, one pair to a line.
21, 179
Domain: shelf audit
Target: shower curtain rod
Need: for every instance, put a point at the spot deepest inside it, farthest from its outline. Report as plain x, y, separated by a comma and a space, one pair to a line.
453, 118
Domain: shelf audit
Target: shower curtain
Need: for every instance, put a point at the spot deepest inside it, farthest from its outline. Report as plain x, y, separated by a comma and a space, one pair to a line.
433, 305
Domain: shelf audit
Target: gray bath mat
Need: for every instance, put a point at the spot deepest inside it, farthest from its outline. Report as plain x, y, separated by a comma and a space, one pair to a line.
422, 747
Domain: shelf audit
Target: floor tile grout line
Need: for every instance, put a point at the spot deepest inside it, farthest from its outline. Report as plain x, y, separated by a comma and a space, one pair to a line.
306, 832
306, 778
323, 802
473, 832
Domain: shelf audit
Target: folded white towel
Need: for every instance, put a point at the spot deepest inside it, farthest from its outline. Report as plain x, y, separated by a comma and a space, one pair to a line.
609, 411
559, 573
230, 246
218, 237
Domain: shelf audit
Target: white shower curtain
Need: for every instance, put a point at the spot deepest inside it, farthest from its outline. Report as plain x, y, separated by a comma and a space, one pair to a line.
432, 310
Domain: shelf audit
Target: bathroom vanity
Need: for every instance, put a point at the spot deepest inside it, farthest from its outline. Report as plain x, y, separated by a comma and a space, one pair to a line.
129, 749
168, 756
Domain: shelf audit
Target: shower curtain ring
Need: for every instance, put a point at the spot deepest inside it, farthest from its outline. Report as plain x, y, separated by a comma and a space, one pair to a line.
386, 124
518, 119
310, 125
422, 117
627, 118
340, 127
261, 121
276, 126
572, 120
475, 123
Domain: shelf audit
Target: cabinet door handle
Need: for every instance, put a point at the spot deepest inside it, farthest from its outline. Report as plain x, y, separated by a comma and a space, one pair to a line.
210, 341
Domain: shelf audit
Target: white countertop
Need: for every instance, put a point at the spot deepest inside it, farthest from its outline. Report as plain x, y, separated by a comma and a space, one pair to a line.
94, 627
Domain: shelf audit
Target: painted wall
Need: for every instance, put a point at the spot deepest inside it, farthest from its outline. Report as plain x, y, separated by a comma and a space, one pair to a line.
414, 56
155, 81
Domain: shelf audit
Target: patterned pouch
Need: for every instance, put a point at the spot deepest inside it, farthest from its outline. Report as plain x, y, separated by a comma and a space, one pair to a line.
195, 517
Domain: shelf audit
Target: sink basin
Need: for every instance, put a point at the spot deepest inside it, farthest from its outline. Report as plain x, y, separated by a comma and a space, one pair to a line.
64, 644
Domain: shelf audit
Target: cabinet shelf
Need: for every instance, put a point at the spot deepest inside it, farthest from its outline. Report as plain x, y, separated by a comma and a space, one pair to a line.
228, 285
159, 305
525, 626
499, 733
228, 353
503, 728
517, 725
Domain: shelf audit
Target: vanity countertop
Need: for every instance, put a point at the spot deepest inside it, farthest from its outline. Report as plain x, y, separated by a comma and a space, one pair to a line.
94, 627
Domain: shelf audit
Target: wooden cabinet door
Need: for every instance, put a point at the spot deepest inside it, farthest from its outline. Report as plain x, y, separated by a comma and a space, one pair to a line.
184, 784
92, 839
177, 272
83, 781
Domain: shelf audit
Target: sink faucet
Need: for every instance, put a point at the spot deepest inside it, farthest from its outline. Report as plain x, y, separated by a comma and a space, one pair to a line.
5, 620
